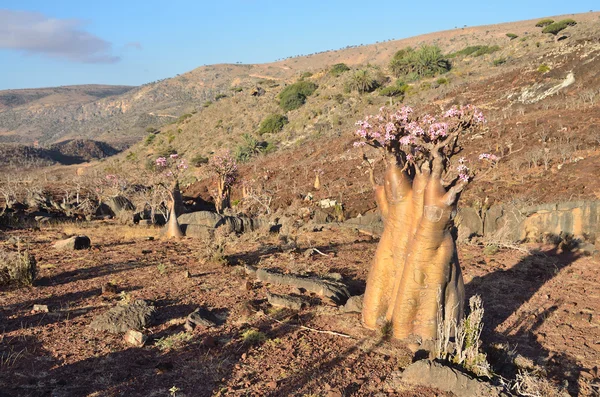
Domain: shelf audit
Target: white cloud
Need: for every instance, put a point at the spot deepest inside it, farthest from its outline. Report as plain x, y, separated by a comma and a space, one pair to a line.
35, 33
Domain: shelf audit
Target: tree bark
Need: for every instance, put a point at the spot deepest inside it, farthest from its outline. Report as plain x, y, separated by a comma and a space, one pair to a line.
415, 278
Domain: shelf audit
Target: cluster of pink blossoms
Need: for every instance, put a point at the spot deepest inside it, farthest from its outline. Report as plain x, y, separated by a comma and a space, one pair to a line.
172, 165
225, 166
487, 156
386, 127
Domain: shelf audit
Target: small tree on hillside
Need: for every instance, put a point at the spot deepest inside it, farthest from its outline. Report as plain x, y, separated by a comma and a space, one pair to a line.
415, 278
225, 168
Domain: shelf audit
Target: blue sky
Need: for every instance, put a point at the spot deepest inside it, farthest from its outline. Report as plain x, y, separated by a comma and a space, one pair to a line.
62, 42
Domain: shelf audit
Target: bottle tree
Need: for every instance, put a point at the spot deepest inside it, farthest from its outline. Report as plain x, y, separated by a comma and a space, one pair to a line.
415, 281
169, 170
224, 166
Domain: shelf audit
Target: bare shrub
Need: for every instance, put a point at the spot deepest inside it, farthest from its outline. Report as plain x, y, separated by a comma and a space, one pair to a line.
17, 267
466, 349
531, 385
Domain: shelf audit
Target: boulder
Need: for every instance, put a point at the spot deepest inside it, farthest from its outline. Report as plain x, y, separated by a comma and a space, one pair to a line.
353, 305
285, 301
435, 375
122, 318
73, 243
135, 338
468, 223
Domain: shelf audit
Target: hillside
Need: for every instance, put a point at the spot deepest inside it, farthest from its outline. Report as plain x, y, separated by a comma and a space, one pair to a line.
539, 94
122, 117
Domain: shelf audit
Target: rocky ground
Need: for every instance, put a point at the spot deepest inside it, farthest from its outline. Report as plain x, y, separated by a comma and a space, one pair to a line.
540, 309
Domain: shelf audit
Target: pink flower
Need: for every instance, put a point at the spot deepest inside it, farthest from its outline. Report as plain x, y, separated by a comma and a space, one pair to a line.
161, 161
174, 156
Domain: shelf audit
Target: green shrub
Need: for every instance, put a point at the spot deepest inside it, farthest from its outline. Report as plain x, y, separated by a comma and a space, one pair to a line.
17, 268
544, 23
272, 124
165, 151
475, 51
149, 139
206, 104
427, 61
556, 27
543, 68
511, 36
305, 75
294, 95
396, 90
237, 89
338, 69
198, 160
250, 147
152, 130
442, 81
184, 117
253, 337
490, 250
362, 81
499, 61
220, 96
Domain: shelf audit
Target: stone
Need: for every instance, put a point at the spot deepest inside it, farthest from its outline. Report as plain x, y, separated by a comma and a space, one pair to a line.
286, 301
40, 308
468, 223
109, 289
135, 338
587, 249
209, 341
353, 305
121, 318
186, 274
200, 317
73, 243
435, 375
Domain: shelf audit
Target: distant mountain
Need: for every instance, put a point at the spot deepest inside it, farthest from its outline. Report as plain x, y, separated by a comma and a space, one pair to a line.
66, 153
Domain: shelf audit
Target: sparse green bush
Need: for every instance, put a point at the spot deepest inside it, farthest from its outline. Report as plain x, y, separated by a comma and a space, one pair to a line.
173, 341
184, 117
294, 95
237, 89
198, 160
543, 68
151, 130
220, 96
362, 81
272, 124
556, 27
253, 337
206, 104
305, 75
338, 69
511, 36
499, 61
149, 139
426, 61
475, 51
250, 147
544, 23
17, 267
442, 81
490, 250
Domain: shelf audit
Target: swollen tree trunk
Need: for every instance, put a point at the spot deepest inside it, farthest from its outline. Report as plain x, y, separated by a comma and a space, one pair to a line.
173, 228
223, 199
415, 279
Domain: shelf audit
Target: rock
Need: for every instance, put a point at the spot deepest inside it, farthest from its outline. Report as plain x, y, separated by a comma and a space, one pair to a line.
272, 385
109, 289
135, 338
186, 274
334, 276
40, 308
432, 374
587, 249
209, 341
469, 223
286, 301
73, 243
122, 318
321, 216
200, 317
246, 285
353, 305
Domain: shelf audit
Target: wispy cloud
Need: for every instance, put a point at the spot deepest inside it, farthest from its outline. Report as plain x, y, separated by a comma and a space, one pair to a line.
35, 33
134, 44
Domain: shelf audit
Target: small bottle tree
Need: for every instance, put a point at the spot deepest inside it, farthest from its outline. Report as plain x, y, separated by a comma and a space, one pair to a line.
169, 170
415, 279
225, 168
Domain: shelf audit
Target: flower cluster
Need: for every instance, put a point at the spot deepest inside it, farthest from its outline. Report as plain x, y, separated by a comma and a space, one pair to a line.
171, 166
225, 166
463, 170
489, 157
402, 131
